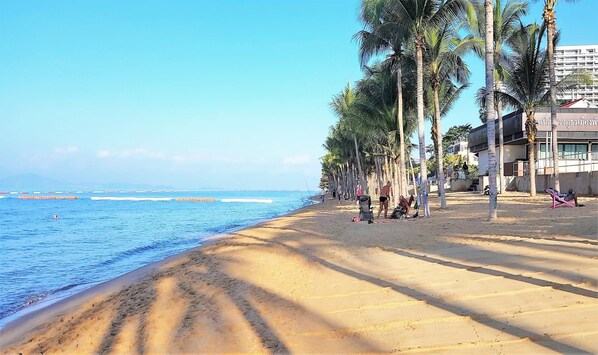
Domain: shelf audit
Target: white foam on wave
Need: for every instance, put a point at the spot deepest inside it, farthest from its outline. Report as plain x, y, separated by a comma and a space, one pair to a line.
132, 198
250, 200
1, 197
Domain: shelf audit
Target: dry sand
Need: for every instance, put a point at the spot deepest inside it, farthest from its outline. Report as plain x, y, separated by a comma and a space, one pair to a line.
314, 282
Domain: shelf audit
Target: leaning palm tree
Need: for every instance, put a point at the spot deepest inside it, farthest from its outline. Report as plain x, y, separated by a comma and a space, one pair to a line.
415, 16
444, 63
505, 21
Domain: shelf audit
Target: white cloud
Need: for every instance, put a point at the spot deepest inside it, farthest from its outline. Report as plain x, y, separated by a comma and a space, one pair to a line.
301, 159
67, 150
180, 158
141, 153
129, 153
104, 153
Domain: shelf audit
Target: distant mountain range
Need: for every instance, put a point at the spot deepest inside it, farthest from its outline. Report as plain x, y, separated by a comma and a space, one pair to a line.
34, 182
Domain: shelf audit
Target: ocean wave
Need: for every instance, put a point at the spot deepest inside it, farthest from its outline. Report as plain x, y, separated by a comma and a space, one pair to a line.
159, 245
224, 228
247, 200
36, 298
132, 198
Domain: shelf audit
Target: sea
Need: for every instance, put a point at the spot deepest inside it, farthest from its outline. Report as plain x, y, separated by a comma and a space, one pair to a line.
53, 248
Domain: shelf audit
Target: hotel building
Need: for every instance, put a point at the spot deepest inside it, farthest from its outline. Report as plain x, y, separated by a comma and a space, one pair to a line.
577, 145
569, 58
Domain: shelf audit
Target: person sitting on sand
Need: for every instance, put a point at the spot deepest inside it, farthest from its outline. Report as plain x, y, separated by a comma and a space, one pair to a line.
403, 208
406, 205
384, 196
571, 195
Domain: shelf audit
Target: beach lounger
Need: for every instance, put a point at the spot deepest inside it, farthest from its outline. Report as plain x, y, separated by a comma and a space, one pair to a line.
558, 200
366, 213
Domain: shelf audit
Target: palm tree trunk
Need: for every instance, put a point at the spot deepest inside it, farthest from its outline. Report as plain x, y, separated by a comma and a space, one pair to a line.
532, 168
353, 180
395, 181
413, 177
491, 134
530, 127
501, 151
360, 170
549, 18
378, 171
402, 170
439, 162
341, 182
420, 124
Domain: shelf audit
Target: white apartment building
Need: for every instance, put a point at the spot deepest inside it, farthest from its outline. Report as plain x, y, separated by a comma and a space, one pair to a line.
462, 148
569, 58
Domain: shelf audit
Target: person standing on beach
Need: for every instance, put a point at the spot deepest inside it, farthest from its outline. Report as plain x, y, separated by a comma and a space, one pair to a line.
384, 196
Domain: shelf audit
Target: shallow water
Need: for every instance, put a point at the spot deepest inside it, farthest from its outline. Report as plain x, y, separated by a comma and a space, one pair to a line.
103, 235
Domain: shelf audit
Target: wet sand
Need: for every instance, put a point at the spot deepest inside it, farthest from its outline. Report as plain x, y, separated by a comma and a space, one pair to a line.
315, 282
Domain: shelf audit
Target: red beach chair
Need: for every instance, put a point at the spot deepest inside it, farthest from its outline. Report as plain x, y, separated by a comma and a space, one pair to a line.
558, 201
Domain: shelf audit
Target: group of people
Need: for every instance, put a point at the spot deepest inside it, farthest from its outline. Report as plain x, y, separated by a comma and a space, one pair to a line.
403, 207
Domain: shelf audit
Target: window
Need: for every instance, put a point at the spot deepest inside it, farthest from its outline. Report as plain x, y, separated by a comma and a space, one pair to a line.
573, 151
567, 151
543, 151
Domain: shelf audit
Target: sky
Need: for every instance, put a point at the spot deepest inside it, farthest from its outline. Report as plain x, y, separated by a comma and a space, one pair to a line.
189, 94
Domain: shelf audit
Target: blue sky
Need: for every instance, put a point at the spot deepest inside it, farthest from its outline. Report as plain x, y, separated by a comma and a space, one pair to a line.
188, 93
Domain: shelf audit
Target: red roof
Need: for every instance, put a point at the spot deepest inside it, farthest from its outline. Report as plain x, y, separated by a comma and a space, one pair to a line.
567, 105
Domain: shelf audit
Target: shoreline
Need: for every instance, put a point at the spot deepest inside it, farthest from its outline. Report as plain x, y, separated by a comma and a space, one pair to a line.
314, 281
16, 328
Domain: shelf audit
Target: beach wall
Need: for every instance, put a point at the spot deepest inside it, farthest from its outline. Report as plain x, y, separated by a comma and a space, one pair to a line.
584, 183
460, 185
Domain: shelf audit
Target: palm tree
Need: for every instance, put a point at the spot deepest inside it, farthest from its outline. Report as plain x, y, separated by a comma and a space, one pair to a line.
340, 145
383, 34
414, 17
343, 105
376, 106
490, 108
505, 21
549, 17
526, 83
444, 62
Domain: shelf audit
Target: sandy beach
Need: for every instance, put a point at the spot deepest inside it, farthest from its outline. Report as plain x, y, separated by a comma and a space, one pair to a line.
315, 282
